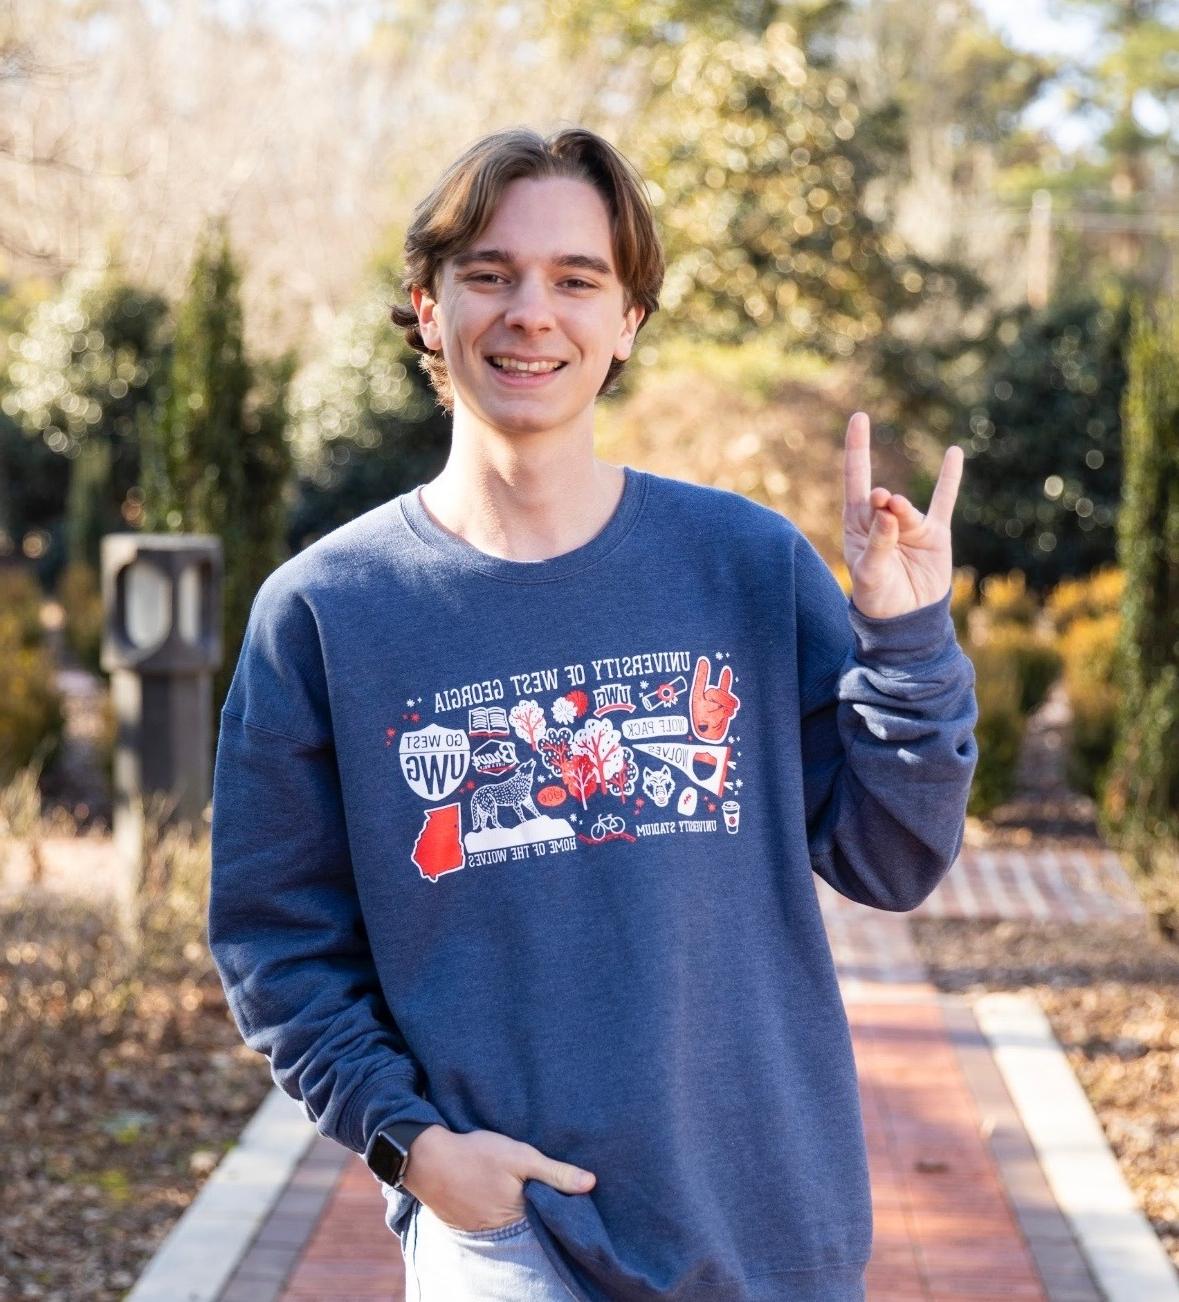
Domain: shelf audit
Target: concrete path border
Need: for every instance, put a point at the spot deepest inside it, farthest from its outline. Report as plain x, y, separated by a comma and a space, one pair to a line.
1124, 1252
1051, 1239
202, 1249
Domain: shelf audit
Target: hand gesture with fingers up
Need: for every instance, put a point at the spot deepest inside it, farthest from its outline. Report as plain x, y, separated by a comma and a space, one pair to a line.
899, 559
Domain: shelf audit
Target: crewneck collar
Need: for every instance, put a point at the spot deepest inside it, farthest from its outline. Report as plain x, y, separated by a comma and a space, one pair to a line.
464, 554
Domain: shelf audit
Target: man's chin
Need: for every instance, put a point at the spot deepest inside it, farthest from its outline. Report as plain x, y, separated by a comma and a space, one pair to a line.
524, 417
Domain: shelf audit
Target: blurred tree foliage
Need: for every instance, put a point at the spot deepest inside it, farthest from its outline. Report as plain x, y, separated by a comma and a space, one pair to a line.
365, 425
80, 374
34, 481
757, 194
1042, 434
948, 81
1139, 55
215, 452
1141, 795
759, 155
941, 93
761, 149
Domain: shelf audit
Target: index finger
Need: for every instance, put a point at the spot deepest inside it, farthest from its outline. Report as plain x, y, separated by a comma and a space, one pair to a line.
945, 491
857, 461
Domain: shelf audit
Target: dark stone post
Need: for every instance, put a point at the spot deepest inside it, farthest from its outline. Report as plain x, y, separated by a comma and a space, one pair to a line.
161, 643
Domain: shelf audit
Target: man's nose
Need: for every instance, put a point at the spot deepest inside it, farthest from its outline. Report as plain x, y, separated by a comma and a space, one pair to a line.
530, 307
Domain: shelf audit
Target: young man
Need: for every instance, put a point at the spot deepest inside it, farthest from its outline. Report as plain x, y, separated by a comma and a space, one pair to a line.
522, 780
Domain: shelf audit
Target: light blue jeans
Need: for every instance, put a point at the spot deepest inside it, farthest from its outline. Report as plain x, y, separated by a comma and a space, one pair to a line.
507, 1264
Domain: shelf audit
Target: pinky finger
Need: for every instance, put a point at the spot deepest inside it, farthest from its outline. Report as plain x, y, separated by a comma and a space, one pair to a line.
945, 491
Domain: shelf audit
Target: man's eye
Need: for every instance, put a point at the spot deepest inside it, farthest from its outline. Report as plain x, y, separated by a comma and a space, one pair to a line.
484, 275
583, 284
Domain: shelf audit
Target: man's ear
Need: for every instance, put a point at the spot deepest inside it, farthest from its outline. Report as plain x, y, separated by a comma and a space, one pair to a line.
428, 327
631, 321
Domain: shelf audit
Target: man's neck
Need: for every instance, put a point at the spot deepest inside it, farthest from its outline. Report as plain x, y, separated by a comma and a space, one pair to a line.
524, 507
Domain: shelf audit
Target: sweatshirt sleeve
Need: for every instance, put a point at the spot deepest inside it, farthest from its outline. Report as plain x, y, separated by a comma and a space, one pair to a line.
888, 748
285, 925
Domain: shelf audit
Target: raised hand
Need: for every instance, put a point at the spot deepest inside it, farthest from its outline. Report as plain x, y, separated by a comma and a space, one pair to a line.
899, 559
713, 705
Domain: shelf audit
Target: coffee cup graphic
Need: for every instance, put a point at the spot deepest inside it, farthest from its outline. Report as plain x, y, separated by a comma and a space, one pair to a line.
732, 814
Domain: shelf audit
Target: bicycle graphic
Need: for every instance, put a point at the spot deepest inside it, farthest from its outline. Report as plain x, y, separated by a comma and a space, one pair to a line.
607, 825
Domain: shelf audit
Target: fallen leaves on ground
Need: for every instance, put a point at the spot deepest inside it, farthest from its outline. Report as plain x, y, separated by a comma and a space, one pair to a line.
123, 1081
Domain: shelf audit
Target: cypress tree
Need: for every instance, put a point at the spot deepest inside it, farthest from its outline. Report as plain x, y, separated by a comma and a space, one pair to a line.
1141, 795
216, 458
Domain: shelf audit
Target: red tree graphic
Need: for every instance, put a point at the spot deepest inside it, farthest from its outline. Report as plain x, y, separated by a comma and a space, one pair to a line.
527, 717
600, 741
622, 781
556, 749
581, 778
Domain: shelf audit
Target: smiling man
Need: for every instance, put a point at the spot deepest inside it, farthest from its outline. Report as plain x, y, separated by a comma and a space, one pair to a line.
524, 777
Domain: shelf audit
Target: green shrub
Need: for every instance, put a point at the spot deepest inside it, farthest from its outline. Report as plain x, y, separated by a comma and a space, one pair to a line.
1037, 662
1140, 796
1099, 593
999, 731
963, 599
1042, 434
79, 592
31, 718
757, 366
20, 607
1006, 599
1091, 740
1088, 650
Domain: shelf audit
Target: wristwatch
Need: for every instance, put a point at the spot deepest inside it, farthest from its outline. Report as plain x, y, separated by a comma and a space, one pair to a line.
389, 1158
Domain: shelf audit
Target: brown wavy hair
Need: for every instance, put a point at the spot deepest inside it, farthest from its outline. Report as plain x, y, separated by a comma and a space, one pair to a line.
462, 202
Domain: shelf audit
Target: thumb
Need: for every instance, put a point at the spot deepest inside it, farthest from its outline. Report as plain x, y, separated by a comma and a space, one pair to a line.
561, 1175
883, 532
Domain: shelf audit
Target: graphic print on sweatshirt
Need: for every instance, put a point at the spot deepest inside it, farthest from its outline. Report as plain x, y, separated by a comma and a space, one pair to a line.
559, 759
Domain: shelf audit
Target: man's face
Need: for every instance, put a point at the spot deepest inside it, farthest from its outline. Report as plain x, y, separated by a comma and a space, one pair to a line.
538, 284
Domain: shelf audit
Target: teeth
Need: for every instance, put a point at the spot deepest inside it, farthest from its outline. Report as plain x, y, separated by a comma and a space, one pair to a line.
510, 364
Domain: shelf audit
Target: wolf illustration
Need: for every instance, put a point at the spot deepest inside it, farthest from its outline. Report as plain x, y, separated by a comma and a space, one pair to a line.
514, 792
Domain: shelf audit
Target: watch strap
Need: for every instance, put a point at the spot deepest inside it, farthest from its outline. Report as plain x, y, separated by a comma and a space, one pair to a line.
405, 1132
398, 1135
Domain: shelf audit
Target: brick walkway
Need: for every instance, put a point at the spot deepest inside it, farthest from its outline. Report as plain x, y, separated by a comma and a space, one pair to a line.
1044, 881
961, 1207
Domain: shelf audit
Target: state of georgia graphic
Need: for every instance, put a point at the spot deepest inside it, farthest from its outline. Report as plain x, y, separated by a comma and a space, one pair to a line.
546, 762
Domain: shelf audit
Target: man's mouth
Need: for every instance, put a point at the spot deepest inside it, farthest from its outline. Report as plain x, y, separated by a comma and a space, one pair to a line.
513, 366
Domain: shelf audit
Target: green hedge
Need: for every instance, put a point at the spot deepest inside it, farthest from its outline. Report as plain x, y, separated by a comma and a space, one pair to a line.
31, 719
1000, 727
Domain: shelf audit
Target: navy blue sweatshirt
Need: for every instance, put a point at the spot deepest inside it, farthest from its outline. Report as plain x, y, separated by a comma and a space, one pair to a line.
527, 846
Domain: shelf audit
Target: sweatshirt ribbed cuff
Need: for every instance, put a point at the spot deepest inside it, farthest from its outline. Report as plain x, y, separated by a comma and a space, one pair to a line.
377, 1104
926, 633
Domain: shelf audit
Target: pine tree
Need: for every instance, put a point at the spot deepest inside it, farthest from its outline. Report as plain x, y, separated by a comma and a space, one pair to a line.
1141, 796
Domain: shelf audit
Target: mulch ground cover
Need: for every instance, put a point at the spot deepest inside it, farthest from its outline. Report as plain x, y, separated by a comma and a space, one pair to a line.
1111, 995
123, 1081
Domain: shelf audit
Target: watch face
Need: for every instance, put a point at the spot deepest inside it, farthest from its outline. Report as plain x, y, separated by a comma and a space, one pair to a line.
387, 1159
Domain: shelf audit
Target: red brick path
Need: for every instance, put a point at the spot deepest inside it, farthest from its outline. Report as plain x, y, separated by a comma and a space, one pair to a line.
943, 1227
961, 1208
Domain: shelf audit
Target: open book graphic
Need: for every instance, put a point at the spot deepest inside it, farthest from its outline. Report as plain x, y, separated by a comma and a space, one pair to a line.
487, 721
